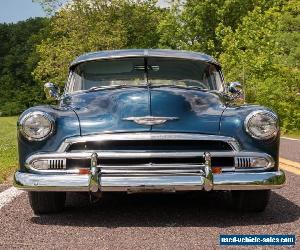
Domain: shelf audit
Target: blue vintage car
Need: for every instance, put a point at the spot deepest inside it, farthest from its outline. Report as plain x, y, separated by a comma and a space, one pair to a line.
147, 121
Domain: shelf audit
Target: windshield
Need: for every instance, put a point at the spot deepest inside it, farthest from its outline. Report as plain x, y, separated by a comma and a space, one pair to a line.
143, 71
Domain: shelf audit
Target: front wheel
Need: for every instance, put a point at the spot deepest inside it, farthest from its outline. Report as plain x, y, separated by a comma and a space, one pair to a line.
47, 202
250, 200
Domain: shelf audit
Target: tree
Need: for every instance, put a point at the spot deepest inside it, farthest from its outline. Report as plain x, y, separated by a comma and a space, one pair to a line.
192, 24
17, 60
264, 52
86, 26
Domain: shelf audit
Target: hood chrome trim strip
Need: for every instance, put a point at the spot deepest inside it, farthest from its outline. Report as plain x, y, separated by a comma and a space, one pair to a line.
150, 120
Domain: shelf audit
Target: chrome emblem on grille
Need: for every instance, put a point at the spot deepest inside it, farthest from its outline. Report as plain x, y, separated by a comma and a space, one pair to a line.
150, 120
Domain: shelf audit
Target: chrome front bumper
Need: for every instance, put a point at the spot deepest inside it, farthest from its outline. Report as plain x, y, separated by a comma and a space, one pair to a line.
84, 183
152, 177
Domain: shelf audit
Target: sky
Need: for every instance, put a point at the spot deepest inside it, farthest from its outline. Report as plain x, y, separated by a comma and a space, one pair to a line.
12, 11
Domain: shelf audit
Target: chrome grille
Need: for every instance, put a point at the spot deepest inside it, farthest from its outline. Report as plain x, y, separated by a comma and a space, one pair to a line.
150, 153
153, 149
243, 162
150, 141
57, 164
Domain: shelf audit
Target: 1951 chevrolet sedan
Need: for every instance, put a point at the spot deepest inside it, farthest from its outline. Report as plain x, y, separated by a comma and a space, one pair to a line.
147, 121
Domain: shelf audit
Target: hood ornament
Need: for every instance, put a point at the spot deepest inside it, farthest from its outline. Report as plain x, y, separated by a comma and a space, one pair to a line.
150, 120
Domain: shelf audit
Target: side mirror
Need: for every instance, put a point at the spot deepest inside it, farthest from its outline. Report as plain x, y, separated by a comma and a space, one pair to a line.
236, 90
51, 91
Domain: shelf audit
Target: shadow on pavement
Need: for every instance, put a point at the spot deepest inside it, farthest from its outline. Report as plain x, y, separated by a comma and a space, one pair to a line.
167, 210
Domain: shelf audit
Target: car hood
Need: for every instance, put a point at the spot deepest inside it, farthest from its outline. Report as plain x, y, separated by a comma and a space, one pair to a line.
196, 111
108, 110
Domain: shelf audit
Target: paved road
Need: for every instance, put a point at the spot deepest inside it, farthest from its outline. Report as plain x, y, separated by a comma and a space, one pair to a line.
192, 221
290, 149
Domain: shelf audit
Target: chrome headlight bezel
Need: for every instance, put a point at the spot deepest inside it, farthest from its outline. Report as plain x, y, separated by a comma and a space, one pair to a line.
48, 117
267, 113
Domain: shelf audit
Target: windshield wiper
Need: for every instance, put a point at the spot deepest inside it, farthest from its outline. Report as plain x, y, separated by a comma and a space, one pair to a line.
179, 86
119, 86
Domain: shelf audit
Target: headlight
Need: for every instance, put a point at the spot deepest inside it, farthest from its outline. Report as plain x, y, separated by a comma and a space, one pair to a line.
262, 124
36, 126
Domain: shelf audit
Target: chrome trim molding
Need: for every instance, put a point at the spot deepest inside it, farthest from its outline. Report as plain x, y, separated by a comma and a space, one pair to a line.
148, 136
138, 154
150, 120
225, 181
153, 169
238, 167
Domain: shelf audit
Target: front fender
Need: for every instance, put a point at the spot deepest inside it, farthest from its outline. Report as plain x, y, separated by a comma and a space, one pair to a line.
66, 125
232, 124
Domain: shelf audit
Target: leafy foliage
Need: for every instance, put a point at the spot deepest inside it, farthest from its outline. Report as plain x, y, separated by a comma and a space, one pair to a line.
18, 58
192, 24
85, 26
263, 52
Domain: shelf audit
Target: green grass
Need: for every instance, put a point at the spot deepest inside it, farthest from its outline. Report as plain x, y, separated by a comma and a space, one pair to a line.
8, 147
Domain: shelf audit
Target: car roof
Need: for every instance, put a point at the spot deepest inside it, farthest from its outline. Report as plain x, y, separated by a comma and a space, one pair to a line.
166, 53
